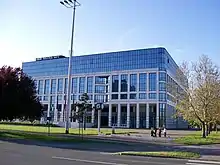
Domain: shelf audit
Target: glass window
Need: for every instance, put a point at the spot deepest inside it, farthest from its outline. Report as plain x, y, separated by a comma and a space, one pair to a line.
133, 82
142, 96
115, 83
89, 84
124, 83
162, 96
45, 98
74, 84
100, 98
81, 84
152, 96
46, 86
133, 96
74, 97
143, 82
162, 86
59, 97
162, 76
114, 96
60, 85
152, 81
40, 98
100, 80
53, 86
99, 89
40, 87
124, 96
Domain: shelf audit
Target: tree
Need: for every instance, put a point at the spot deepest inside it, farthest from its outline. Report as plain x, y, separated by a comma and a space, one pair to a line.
81, 109
200, 95
18, 96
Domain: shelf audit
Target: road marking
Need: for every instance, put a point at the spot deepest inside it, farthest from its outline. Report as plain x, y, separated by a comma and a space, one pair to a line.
202, 161
87, 161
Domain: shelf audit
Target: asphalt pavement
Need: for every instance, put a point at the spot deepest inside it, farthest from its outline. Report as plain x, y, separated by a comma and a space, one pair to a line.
35, 153
23, 154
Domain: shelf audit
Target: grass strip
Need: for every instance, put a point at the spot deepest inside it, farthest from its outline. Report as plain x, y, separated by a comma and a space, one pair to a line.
165, 154
196, 139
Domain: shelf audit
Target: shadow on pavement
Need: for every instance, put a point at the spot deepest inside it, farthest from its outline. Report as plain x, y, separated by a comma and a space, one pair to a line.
116, 147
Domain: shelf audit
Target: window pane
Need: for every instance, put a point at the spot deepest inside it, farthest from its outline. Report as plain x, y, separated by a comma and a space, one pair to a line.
81, 84
152, 96
133, 82
47, 87
133, 96
53, 86
60, 85
162, 76
124, 83
142, 96
143, 82
152, 81
89, 84
124, 96
74, 85
114, 96
115, 83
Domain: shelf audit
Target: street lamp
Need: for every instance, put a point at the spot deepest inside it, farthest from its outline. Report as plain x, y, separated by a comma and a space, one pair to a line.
70, 4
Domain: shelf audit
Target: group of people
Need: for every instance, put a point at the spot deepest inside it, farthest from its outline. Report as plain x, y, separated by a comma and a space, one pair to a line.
158, 131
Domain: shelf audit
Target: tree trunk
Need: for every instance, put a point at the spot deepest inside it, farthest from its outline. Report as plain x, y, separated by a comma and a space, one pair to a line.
206, 129
210, 129
203, 130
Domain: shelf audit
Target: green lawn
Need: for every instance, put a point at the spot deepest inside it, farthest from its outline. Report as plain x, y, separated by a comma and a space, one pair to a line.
166, 154
196, 139
39, 137
88, 131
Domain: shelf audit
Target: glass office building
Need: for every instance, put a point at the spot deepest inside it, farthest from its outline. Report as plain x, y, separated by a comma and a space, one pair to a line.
133, 85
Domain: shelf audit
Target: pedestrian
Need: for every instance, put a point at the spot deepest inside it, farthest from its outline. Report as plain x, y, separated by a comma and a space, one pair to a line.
155, 133
152, 132
165, 132
159, 132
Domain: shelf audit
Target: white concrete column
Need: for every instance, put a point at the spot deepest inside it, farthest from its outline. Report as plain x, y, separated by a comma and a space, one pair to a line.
128, 115
62, 111
93, 113
93, 89
119, 81
110, 86
157, 115
129, 84
147, 115
55, 103
49, 99
137, 115
119, 115
110, 115
86, 84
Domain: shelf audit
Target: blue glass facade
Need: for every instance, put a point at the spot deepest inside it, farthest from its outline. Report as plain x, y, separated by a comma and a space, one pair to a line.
144, 76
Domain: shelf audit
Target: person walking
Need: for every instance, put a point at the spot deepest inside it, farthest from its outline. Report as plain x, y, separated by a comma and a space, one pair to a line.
165, 132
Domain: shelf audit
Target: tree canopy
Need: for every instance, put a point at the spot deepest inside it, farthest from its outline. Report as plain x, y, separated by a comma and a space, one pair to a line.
199, 101
18, 95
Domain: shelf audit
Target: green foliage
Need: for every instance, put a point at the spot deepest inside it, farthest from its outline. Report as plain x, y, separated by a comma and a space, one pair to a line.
18, 96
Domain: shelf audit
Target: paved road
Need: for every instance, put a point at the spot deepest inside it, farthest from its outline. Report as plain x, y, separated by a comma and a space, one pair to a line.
21, 154
25, 154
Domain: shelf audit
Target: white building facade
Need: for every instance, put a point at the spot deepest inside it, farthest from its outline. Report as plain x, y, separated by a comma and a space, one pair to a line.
131, 84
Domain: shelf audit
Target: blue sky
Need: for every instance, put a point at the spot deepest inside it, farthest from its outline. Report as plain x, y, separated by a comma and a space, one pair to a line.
36, 28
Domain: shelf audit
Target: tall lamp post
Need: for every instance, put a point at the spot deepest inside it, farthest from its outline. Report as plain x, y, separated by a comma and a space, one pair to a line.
70, 4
